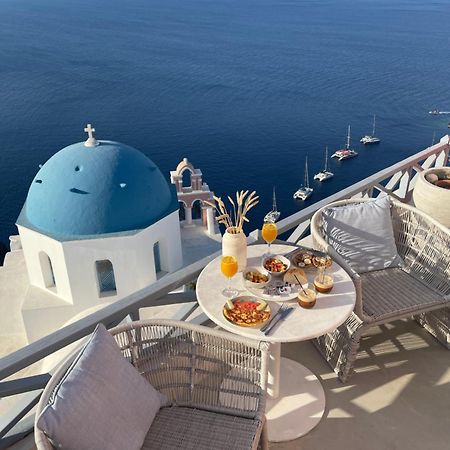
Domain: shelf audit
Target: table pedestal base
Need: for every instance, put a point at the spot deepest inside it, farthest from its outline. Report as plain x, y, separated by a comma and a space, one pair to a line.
299, 406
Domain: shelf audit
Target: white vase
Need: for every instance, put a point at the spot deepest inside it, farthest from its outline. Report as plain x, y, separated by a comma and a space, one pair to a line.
235, 245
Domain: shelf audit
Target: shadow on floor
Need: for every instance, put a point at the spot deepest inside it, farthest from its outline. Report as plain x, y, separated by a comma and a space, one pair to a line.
399, 397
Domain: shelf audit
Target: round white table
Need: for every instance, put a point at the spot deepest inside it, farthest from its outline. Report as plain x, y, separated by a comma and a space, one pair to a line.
296, 400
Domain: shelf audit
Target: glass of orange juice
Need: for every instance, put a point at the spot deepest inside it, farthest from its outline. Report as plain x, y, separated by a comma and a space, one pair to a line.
269, 234
229, 267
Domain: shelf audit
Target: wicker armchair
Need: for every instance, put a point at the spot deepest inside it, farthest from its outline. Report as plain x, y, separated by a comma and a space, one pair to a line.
215, 381
421, 288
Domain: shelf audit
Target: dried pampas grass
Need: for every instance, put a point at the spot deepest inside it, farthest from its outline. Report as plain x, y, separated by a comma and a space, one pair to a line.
234, 222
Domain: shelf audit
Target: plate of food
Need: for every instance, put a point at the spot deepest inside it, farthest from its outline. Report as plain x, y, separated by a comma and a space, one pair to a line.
246, 311
283, 288
276, 265
322, 261
306, 258
255, 277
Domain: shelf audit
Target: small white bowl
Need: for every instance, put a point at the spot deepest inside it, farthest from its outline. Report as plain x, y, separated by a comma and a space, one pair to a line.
282, 258
255, 269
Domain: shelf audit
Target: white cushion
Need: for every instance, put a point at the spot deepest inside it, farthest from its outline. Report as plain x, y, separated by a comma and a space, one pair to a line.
362, 234
102, 401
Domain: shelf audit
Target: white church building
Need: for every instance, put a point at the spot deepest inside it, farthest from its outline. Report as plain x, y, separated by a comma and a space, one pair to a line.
100, 222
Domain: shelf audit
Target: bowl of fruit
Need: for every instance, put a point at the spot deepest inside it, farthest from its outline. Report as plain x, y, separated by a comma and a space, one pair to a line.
276, 265
255, 277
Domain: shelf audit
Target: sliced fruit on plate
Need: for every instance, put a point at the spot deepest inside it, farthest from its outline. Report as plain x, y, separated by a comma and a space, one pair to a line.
262, 306
229, 304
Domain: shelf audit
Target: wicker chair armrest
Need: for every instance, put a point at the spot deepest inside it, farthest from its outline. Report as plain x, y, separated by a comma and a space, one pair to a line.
424, 245
319, 241
197, 366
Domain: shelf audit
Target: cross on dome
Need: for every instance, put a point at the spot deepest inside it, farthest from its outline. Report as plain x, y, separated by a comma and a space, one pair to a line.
91, 141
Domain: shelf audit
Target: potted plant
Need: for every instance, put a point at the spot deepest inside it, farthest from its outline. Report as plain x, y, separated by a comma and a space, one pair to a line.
234, 241
431, 194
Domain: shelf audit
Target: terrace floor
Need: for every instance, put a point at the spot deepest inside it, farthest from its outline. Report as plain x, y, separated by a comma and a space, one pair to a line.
398, 399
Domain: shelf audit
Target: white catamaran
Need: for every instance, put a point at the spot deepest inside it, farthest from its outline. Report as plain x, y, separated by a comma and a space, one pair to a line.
304, 192
370, 139
346, 152
274, 215
324, 174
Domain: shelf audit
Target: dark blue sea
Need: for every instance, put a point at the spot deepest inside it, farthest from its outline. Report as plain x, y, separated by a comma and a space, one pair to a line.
244, 88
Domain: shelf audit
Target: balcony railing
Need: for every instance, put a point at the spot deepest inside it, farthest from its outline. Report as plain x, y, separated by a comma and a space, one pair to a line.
397, 180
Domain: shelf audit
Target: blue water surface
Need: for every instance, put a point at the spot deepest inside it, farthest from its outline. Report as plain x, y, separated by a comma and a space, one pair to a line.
244, 88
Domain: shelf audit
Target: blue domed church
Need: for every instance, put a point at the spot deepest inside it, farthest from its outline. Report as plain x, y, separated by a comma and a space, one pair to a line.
100, 221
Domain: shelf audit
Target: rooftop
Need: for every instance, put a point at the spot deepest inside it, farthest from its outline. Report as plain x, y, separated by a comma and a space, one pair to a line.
89, 190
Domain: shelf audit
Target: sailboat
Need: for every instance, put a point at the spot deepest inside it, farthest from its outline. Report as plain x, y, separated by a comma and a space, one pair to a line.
324, 174
304, 192
346, 152
274, 215
370, 139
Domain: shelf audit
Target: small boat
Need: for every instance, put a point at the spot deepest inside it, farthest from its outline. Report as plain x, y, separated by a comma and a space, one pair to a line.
274, 215
370, 139
346, 152
324, 174
304, 192
436, 112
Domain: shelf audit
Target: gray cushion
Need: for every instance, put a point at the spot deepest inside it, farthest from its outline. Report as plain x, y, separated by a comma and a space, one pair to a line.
362, 234
392, 292
179, 428
102, 401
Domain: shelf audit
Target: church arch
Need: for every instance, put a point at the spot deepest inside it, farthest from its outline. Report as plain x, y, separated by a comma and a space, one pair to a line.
186, 175
157, 257
105, 277
48, 274
197, 209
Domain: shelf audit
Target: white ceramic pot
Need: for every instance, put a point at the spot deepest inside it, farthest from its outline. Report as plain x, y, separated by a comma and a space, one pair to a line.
433, 200
235, 245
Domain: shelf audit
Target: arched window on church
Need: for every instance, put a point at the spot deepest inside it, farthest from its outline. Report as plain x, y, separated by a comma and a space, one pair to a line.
47, 270
187, 182
105, 277
157, 257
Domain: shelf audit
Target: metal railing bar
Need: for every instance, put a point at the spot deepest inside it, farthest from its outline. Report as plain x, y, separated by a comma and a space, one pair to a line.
381, 188
27, 384
299, 231
18, 410
18, 432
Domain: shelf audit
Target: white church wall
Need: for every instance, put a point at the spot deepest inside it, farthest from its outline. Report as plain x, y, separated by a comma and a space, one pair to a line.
74, 262
81, 257
167, 233
131, 256
35, 246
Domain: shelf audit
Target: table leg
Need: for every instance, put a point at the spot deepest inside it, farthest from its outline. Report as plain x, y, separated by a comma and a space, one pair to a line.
273, 377
296, 399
